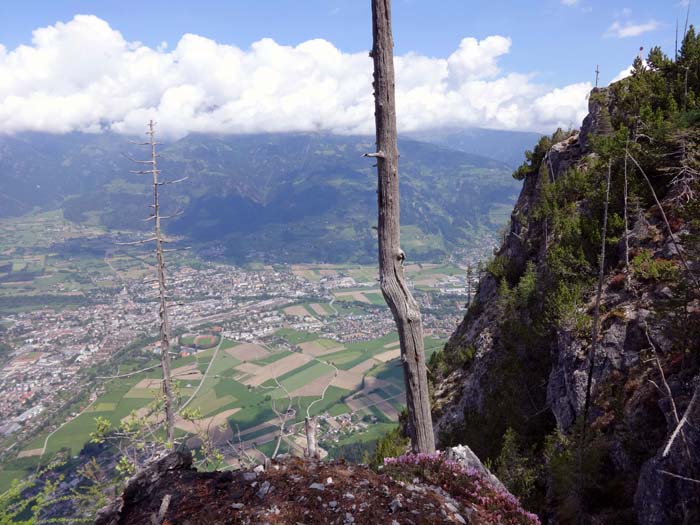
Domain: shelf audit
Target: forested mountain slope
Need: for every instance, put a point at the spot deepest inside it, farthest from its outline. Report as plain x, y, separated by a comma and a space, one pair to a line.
280, 197
512, 382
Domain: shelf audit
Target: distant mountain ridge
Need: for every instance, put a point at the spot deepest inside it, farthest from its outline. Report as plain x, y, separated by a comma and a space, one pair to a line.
279, 197
507, 146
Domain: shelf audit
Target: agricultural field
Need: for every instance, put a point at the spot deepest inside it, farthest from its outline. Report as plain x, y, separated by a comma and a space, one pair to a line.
233, 387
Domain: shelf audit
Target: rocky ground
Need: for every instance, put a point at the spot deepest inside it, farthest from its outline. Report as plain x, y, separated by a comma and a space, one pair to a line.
423, 489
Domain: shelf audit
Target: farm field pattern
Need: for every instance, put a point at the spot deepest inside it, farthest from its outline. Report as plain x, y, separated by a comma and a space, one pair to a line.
240, 385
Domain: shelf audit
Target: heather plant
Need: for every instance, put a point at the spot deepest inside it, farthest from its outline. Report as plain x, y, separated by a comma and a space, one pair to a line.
467, 485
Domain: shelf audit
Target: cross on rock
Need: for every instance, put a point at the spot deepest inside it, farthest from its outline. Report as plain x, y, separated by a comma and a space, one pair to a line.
597, 74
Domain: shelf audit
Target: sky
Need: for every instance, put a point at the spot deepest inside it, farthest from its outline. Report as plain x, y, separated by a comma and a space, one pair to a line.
238, 66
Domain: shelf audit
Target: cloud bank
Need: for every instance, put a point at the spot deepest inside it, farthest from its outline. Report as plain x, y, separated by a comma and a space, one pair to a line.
83, 75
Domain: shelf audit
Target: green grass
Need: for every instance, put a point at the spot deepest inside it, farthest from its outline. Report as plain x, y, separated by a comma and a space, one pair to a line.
187, 340
391, 371
102, 407
210, 404
227, 343
77, 432
305, 374
378, 414
372, 433
8, 476
269, 448
274, 356
332, 398
223, 363
338, 409
376, 298
349, 308
327, 343
251, 416
294, 337
343, 357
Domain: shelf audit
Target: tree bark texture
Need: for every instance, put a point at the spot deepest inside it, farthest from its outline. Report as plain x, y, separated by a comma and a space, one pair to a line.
310, 428
391, 272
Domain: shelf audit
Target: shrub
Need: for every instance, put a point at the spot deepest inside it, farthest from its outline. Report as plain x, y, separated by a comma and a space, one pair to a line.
647, 268
391, 444
515, 468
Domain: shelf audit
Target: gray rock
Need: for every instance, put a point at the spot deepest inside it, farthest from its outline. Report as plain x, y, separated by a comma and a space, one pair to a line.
140, 488
395, 505
264, 489
463, 455
317, 486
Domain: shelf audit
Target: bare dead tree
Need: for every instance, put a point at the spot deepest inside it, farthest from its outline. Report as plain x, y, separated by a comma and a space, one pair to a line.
393, 283
596, 308
159, 240
626, 233
683, 421
469, 285
282, 415
687, 173
684, 261
310, 429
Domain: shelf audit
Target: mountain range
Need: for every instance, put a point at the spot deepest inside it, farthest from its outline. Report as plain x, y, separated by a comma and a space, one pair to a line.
276, 197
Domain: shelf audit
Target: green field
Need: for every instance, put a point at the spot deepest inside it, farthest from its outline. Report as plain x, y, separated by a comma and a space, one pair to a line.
306, 374
295, 337
8, 476
221, 392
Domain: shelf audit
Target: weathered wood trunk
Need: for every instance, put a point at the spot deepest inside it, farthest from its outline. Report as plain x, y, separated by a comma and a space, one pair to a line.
310, 426
391, 273
162, 294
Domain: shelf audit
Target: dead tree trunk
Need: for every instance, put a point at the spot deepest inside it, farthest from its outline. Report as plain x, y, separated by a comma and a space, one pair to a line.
391, 273
596, 310
162, 292
626, 234
469, 285
310, 425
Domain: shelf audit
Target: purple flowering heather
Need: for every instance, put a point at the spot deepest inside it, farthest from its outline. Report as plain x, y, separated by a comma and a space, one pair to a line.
465, 484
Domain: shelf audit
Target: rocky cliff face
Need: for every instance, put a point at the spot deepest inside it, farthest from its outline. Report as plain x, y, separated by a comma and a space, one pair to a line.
525, 368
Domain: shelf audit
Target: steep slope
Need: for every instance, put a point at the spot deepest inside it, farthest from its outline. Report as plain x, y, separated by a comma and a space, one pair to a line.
518, 365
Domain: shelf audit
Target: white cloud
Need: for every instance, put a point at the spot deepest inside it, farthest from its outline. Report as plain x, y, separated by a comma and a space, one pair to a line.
630, 29
569, 2
626, 72
82, 75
